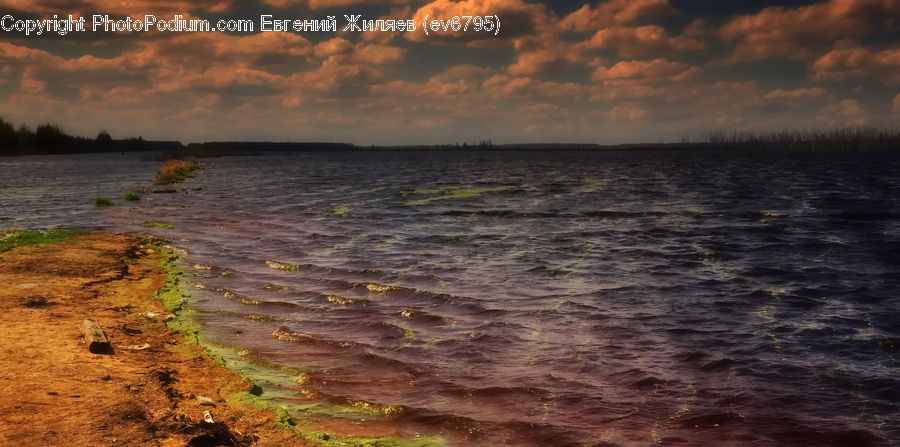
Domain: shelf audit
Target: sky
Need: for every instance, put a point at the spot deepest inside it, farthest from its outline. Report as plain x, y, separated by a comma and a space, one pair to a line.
607, 72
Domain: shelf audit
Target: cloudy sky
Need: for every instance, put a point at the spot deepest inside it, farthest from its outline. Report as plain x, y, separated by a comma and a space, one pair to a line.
562, 71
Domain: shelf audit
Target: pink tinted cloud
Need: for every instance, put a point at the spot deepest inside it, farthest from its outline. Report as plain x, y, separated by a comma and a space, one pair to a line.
503, 88
204, 66
280, 85
858, 62
646, 72
261, 51
848, 112
346, 52
529, 28
796, 94
628, 112
11, 54
641, 41
801, 33
552, 56
614, 12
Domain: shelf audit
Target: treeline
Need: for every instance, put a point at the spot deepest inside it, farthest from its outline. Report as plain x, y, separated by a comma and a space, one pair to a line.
51, 139
844, 139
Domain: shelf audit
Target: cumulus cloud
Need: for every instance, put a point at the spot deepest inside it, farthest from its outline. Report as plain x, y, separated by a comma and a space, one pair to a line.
858, 62
346, 69
544, 118
632, 42
646, 72
628, 112
848, 112
801, 33
796, 94
340, 49
550, 56
15, 54
209, 68
261, 51
604, 71
528, 28
503, 87
614, 12
42, 72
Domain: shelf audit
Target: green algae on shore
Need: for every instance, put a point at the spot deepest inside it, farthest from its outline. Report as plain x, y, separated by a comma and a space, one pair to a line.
174, 299
13, 238
273, 386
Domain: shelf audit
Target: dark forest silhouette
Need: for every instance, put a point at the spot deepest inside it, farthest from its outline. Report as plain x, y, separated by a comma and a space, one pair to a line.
51, 139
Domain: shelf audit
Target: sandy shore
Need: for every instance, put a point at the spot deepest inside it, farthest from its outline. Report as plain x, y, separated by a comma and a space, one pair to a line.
153, 390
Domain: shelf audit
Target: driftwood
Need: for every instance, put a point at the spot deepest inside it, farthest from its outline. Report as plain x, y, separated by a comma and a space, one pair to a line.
94, 337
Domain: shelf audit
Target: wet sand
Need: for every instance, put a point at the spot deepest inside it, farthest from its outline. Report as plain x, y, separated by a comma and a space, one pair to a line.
153, 390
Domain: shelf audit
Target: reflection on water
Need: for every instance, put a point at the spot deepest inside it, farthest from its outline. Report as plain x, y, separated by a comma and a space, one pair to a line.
555, 299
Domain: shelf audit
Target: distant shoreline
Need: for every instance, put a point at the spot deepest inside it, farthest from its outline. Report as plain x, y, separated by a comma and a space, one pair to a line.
51, 139
217, 149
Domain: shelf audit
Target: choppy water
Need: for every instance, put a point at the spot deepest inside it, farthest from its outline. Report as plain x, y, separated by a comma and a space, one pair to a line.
43, 192
556, 299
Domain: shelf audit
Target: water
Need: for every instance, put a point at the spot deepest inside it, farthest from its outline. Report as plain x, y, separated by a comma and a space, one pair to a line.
554, 299
42, 192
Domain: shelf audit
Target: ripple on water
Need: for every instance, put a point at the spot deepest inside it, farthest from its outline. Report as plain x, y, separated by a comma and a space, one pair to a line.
690, 299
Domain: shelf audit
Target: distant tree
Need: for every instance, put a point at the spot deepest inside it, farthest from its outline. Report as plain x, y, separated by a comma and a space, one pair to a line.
49, 136
104, 139
25, 137
8, 139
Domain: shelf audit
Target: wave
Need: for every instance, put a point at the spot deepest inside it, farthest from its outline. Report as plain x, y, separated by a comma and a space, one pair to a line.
286, 334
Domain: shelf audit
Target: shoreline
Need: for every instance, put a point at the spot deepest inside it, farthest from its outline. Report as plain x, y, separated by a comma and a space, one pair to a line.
156, 387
